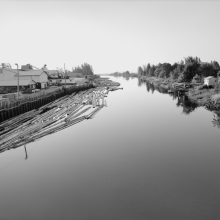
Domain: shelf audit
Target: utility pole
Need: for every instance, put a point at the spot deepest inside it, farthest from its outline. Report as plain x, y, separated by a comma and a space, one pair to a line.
18, 81
65, 75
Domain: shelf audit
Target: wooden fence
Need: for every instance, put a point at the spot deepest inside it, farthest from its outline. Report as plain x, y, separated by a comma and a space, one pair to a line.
34, 101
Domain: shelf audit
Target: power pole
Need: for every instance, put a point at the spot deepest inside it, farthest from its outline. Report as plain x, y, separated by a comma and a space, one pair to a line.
65, 75
18, 81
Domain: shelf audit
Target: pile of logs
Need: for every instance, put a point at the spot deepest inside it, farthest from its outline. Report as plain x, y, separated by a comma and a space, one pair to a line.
105, 82
53, 117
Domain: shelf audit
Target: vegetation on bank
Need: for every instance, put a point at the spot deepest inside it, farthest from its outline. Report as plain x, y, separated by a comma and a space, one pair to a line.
78, 71
124, 74
85, 69
191, 69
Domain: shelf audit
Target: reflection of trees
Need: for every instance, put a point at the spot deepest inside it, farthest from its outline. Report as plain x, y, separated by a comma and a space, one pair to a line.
161, 89
150, 87
174, 95
140, 82
189, 107
182, 100
216, 119
186, 104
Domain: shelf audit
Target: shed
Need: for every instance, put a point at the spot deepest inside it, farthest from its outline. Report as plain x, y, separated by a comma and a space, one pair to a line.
54, 74
8, 86
74, 75
197, 79
22, 82
210, 81
39, 76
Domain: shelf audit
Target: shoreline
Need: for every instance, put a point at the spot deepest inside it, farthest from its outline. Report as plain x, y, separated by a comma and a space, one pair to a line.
196, 93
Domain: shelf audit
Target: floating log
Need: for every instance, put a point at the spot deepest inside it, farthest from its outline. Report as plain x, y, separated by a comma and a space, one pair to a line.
54, 116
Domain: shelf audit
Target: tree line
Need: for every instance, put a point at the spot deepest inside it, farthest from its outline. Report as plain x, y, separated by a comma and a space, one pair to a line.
183, 71
85, 69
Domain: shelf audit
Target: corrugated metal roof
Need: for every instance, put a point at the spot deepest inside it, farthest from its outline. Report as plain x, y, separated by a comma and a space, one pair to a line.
31, 73
22, 82
70, 74
52, 72
9, 71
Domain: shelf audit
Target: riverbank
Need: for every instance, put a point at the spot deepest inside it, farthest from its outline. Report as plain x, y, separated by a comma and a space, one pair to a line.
12, 109
54, 116
197, 93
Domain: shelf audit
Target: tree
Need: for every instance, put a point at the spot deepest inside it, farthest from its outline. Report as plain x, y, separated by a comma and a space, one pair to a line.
146, 69
176, 72
206, 69
190, 60
216, 66
217, 83
85, 69
165, 70
151, 71
140, 71
157, 70
190, 69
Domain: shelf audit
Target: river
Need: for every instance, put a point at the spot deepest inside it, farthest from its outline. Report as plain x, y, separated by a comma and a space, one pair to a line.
144, 156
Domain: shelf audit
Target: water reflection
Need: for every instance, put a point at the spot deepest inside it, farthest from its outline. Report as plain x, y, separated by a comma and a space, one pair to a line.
119, 166
152, 87
26, 155
216, 119
182, 100
140, 82
187, 105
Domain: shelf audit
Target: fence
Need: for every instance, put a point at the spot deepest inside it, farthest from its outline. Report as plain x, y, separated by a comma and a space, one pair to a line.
34, 101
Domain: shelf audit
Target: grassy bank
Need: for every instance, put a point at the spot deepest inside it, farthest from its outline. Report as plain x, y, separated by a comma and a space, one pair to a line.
197, 93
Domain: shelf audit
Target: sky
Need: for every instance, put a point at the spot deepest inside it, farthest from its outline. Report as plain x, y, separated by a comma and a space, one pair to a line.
109, 35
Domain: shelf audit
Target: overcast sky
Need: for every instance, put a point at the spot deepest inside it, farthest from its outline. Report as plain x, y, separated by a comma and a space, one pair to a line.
109, 35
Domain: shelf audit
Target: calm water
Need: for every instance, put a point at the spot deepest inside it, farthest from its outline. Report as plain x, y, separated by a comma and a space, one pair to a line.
142, 157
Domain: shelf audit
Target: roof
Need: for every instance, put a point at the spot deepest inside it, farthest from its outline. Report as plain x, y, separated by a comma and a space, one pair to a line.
9, 71
52, 72
31, 72
22, 82
209, 77
70, 74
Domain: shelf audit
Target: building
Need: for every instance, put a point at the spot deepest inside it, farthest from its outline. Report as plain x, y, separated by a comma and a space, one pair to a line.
9, 86
197, 79
70, 81
210, 81
74, 75
54, 74
8, 74
40, 77
22, 82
